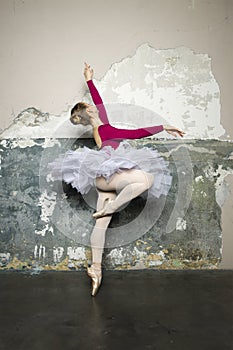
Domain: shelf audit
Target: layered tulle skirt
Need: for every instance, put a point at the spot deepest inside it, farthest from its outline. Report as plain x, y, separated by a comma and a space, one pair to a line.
81, 167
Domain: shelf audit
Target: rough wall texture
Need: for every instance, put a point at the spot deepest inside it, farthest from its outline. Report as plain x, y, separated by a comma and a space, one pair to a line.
173, 86
46, 224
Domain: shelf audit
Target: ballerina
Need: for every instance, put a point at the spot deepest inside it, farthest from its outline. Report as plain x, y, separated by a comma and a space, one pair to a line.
112, 169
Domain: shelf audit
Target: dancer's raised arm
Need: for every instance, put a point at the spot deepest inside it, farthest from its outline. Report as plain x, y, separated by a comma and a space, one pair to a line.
88, 73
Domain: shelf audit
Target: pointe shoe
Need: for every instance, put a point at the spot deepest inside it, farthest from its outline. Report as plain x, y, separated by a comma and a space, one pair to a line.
96, 276
103, 211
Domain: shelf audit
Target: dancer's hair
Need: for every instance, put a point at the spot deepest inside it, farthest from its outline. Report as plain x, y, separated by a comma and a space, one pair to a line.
80, 106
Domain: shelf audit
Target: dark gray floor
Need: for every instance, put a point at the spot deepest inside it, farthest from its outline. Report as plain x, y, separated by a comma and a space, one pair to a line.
133, 310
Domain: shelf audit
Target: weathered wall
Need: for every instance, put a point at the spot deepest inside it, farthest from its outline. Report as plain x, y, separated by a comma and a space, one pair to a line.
44, 45
172, 86
47, 224
155, 62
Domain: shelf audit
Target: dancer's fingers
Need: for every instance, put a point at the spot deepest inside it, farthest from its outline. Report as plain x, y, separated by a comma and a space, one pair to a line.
87, 66
180, 131
172, 133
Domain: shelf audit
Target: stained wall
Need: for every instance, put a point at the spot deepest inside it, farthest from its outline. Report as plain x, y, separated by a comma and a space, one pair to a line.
176, 54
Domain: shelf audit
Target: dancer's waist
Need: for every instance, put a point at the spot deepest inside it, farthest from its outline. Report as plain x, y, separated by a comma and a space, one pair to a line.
113, 143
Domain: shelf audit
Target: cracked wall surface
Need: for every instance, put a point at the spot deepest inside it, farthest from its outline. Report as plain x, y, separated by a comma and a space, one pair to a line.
172, 86
49, 227
40, 225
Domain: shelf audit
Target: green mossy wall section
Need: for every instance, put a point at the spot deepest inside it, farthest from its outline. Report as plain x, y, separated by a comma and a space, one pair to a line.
186, 235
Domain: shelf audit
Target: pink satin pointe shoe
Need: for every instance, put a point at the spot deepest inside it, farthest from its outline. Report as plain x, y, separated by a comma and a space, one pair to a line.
96, 275
104, 211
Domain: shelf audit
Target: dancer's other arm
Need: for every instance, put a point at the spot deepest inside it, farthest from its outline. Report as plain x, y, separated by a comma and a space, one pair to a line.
88, 74
109, 132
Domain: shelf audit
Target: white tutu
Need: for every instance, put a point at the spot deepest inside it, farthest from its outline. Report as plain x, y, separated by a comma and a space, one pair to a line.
81, 167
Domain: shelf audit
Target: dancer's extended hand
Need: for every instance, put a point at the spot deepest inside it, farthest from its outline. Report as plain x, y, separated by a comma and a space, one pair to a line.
88, 72
173, 130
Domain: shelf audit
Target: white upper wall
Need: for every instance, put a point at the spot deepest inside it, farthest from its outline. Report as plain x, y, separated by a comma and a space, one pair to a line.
45, 42
169, 87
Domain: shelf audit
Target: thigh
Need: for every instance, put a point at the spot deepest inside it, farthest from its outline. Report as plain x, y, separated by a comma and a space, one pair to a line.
124, 178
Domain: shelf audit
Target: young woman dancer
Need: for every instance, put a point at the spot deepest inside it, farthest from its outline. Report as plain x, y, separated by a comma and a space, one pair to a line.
117, 170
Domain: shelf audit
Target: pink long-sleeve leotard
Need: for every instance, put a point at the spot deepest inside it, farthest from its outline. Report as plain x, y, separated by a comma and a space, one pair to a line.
111, 136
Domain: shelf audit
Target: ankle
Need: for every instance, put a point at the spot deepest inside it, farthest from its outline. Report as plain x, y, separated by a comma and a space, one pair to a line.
96, 265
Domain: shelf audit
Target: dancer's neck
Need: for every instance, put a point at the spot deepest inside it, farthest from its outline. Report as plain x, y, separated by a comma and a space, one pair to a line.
95, 122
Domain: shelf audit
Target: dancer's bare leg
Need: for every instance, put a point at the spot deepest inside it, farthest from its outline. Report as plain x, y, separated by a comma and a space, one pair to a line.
98, 233
129, 183
97, 242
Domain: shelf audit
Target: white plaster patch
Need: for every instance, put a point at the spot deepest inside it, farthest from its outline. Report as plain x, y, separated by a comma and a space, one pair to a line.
221, 187
161, 254
222, 190
174, 86
46, 229
199, 178
13, 193
57, 254
47, 203
4, 257
139, 265
203, 193
43, 231
180, 224
117, 256
49, 178
78, 253
28, 142
23, 143
155, 263
50, 143
209, 172
39, 251
139, 255
177, 84
3, 143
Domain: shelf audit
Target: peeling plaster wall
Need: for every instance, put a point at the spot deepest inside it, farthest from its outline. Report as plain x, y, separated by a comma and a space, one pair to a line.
49, 76
172, 86
47, 224
170, 62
